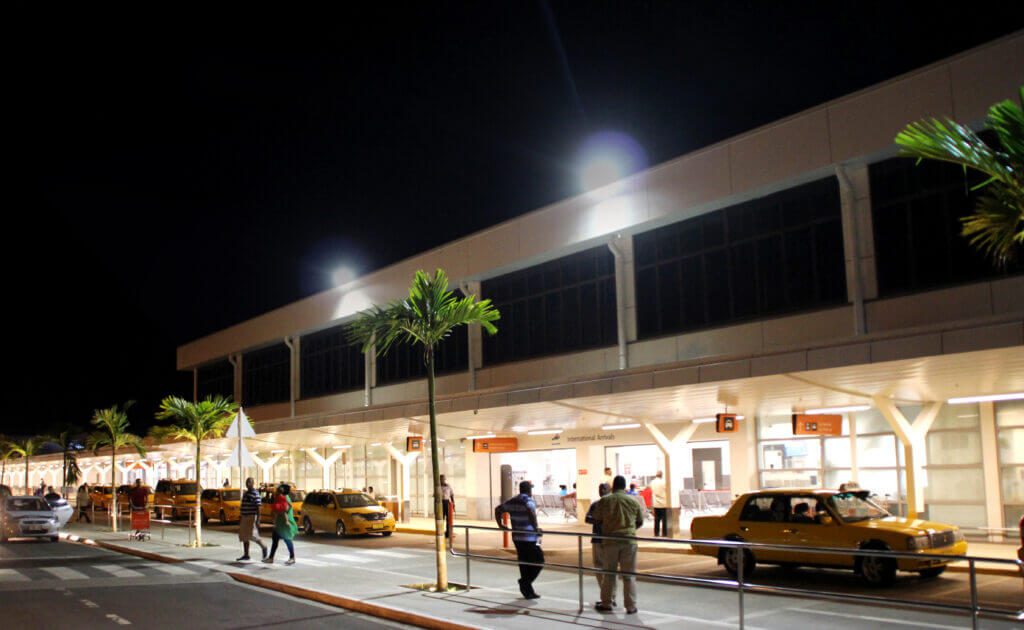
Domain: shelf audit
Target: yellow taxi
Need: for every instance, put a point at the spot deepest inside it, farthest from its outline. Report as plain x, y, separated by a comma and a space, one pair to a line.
345, 512
101, 497
175, 497
224, 504
844, 518
124, 493
267, 498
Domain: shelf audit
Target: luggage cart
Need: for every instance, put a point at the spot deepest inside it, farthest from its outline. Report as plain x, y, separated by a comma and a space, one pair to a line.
140, 524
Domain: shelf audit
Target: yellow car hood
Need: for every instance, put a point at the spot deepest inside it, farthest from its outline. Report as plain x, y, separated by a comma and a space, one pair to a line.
907, 526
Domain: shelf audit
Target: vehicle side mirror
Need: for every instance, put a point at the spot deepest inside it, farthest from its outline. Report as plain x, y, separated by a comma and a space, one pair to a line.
825, 520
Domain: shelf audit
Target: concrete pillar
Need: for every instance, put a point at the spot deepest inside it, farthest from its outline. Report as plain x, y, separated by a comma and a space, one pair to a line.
266, 466
858, 237
990, 470
404, 461
325, 463
915, 453
671, 449
475, 336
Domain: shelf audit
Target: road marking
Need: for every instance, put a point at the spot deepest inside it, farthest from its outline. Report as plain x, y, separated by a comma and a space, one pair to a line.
11, 575
312, 563
386, 554
346, 558
65, 573
121, 621
171, 569
881, 620
89, 604
117, 570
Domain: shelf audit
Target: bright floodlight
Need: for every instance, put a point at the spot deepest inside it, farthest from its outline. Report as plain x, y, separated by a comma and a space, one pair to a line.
343, 275
609, 156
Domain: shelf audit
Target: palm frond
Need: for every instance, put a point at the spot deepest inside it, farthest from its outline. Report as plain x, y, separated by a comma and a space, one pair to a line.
948, 141
996, 227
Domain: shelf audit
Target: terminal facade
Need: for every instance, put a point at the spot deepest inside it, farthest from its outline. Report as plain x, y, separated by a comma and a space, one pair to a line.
800, 266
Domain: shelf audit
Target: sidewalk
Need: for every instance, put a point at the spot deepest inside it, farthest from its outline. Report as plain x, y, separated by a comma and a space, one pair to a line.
377, 573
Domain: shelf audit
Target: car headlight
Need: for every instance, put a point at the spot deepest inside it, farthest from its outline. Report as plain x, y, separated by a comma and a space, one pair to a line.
389, 515
916, 543
958, 536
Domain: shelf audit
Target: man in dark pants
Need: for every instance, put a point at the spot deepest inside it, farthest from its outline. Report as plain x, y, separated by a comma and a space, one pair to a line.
447, 503
659, 500
522, 512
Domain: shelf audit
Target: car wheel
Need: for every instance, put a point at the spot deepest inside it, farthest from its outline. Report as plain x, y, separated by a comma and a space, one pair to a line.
386, 534
223, 517
307, 526
877, 571
731, 561
934, 572
54, 538
339, 529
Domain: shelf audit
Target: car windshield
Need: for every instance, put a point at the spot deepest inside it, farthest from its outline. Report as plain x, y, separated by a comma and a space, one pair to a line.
232, 495
27, 504
184, 488
852, 508
355, 500
297, 495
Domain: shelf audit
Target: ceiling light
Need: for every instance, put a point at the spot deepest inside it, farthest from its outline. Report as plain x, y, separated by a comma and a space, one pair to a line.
278, 451
845, 409
375, 444
544, 432
612, 427
480, 437
989, 398
969, 415
519, 429
342, 446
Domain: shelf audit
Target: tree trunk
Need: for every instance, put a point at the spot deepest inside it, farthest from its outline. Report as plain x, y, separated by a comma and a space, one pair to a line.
199, 492
439, 542
27, 490
113, 488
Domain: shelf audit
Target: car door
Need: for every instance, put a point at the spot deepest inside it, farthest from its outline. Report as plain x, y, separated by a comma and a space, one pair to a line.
762, 521
814, 531
327, 508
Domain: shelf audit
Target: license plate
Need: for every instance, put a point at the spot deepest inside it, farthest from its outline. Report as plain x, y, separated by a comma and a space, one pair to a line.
376, 527
33, 528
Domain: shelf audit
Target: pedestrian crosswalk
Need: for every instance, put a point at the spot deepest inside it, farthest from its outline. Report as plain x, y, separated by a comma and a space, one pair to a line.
136, 571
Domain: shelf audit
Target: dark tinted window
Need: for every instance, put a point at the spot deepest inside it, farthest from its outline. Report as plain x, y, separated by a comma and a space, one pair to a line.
329, 363
403, 361
216, 379
265, 375
777, 254
559, 306
916, 211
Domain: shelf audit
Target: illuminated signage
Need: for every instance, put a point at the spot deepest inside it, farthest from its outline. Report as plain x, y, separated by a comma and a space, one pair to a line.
726, 423
817, 424
496, 445
414, 443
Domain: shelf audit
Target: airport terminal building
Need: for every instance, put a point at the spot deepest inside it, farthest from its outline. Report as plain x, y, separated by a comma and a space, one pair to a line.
799, 268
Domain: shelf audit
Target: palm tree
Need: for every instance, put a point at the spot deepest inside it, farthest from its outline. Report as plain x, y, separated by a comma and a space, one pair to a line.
27, 447
68, 440
112, 432
6, 452
195, 422
424, 319
996, 227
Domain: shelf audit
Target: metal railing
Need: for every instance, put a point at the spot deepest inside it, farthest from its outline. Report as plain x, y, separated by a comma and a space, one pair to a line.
742, 586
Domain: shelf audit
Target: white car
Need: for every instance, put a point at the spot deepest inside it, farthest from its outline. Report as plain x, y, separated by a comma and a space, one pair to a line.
27, 517
62, 510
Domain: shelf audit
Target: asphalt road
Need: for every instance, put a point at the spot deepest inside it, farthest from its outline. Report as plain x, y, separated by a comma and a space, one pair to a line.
64, 585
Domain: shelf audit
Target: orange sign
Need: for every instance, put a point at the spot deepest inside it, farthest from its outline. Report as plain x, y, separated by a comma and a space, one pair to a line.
414, 443
582, 471
726, 423
496, 445
818, 424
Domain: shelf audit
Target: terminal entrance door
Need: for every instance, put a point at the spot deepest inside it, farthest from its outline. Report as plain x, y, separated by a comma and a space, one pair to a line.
707, 468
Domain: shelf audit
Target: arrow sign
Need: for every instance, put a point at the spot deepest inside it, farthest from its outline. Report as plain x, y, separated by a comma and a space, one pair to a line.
240, 428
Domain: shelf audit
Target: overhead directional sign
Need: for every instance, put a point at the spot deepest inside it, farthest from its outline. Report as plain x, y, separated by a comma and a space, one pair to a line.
726, 423
817, 424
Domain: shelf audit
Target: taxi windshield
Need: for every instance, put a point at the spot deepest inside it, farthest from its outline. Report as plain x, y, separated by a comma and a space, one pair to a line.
355, 500
232, 495
852, 508
185, 488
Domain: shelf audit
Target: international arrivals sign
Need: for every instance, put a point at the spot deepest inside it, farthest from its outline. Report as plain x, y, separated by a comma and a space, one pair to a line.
817, 424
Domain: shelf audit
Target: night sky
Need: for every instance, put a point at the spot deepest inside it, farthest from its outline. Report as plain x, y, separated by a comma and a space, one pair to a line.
174, 174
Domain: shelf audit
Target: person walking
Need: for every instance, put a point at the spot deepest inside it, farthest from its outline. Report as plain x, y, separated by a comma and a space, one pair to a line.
447, 506
595, 542
284, 524
619, 515
659, 500
82, 501
522, 512
249, 520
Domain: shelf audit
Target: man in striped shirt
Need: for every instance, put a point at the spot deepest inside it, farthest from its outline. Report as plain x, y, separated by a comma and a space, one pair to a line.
522, 512
249, 521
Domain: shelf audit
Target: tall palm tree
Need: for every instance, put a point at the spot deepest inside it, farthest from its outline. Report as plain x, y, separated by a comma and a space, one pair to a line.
424, 319
27, 447
69, 440
112, 432
203, 420
996, 227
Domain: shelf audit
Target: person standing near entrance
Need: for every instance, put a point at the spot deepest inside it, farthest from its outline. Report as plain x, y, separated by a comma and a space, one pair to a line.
619, 515
82, 500
522, 512
249, 520
595, 546
607, 478
447, 506
659, 500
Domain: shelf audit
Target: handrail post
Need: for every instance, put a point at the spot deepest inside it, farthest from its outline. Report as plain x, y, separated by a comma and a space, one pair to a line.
974, 595
741, 560
579, 566
467, 558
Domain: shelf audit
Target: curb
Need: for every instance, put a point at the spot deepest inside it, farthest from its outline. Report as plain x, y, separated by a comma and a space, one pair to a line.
148, 555
374, 610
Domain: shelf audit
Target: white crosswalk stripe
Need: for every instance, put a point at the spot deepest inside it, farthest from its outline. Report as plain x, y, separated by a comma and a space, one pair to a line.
312, 563
387, 554
65, 573
12, 575
117, 570
171, 569
346, 558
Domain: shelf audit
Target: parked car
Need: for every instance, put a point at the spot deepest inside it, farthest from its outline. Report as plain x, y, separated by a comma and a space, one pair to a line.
124, 493
225, 504
345, 512
844, 518
62, 510
175, 497
27, 517
298, 498
101, 497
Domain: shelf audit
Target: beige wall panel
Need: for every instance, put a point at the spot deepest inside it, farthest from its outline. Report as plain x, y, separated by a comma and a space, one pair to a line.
632, 383
506, 374
592, 388
269, 412
467, 403
742, 339
550, 229
867, 123
1008, 295
780, 151
983, 338
493, 400
906, 348
976, 87
524, 397
399, 392
494, 248
679, 376
823, 358
945, 305
567, 365
653, 352
336, 402
778, 364
724, 371
455, 383
827, 325
690, 181
555, 392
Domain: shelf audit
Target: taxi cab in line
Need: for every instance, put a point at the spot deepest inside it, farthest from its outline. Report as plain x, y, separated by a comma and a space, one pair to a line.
345, 512
267, 499
224, 504
844, 518
175, 498
101, 497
